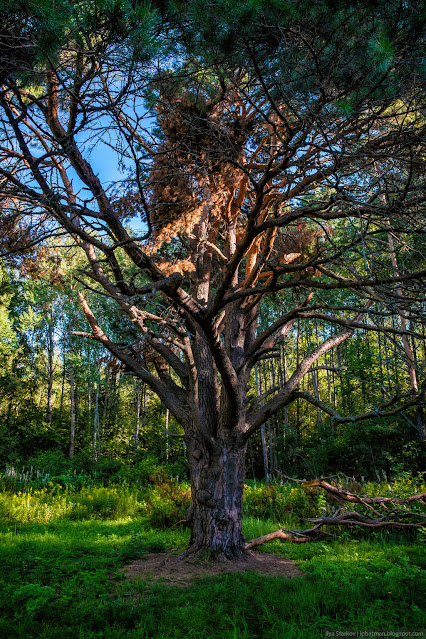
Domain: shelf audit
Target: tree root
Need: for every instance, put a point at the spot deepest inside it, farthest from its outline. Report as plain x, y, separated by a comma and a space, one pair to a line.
388, 513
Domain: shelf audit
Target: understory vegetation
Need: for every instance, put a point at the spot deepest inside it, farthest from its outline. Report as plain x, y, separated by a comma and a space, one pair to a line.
212, 318
64, 540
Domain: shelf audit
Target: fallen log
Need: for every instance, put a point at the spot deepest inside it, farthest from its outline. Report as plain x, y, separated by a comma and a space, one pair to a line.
297, 536
387, 510
352, 497
356, 519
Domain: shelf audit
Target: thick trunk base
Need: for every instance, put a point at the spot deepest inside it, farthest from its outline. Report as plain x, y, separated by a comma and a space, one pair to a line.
216, 513
203, 553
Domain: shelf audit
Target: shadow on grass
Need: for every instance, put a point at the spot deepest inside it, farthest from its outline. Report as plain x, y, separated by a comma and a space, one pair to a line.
64, 580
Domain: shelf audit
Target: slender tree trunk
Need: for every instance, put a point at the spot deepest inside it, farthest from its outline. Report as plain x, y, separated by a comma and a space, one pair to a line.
96, 430
89, 396
50, 371
72, 414
137, 412
420, 423
272, 424
298, 429
342, 386
107, 395
167, 434
330, 399
382, 379
117, 384
9, 411
258, 380
64, 374
283, 382
315, 383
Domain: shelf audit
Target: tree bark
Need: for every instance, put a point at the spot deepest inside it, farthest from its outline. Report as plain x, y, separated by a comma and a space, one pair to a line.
137, 412
217, 485
72, 411
50, 371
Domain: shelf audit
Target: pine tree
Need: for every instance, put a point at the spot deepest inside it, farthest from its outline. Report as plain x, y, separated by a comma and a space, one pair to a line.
249, 153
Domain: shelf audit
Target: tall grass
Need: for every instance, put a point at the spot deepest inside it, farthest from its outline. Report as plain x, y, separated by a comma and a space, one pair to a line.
165, 501
47, 505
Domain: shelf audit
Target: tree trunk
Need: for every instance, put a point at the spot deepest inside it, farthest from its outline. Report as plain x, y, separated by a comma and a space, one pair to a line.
258, 381
167, 435
420, 424
217, 485
96, 429
50, 372
64, 374
283, 371
137, 412
72, 414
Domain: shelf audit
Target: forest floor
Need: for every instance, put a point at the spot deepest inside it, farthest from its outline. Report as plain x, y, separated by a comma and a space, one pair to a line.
88, 573
170, 569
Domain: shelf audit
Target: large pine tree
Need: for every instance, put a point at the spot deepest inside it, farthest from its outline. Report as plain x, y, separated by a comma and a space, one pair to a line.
268, 148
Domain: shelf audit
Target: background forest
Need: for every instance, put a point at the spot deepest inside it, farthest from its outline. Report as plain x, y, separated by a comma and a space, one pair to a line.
66, 404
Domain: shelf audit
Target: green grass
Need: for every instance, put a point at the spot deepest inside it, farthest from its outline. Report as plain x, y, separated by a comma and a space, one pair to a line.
55, 502
63, 580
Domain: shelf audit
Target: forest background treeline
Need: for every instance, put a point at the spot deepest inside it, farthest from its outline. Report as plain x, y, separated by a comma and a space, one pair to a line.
63, 394
262, 239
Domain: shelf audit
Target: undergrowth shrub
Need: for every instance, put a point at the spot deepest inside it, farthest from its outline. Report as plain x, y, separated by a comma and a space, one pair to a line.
104, 503
282, 503
32, 600
403, 485
164, 501
294, 503
167, 501
53, 503
140, 472
138, 545
30, 478
38, 506
53, 462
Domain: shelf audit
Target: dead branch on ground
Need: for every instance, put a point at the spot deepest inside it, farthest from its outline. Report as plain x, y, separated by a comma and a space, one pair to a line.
382, 512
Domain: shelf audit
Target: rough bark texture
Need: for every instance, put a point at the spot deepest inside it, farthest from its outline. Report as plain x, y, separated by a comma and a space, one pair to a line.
217, 484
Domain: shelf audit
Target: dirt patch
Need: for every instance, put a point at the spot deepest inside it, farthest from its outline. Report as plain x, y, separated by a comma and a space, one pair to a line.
173, 571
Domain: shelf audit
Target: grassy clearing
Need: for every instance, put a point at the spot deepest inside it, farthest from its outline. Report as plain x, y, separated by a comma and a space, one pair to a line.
63, 580
62, 547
